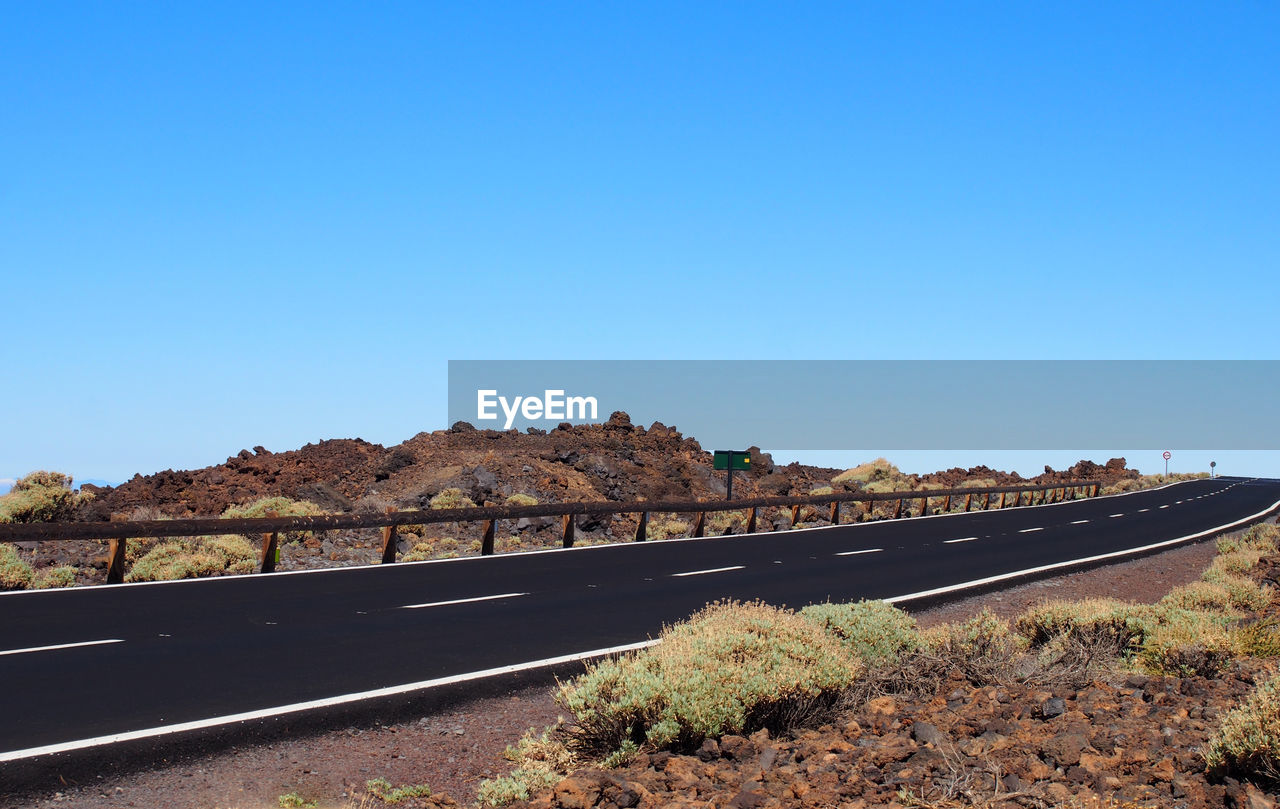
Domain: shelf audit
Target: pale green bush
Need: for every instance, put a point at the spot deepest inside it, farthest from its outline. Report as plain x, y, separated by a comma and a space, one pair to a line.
665, 527
1184, 643
41, 497
874, 631
61, 576
522, 500
731, 668
1248, 742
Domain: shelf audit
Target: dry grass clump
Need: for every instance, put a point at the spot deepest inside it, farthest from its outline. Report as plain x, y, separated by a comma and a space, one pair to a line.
731, 668
41, 497
1184, 643
874, 631
541, 760
519, 499
1248, 742
190, 558
432, 548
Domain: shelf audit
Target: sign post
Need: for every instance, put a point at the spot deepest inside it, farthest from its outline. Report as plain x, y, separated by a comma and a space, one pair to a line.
1212, 465
1167, 456
729, 460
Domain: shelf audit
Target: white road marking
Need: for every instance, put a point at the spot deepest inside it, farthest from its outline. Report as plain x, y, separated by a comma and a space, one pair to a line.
1166, 505
855, 553
1072, 562
1028, 530
710, 570
1143, 510
962, 539
460, 601
61, 646
1078, 522
327, 702
1121, 514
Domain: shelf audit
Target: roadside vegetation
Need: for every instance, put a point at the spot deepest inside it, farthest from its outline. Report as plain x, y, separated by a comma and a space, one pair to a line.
738, 668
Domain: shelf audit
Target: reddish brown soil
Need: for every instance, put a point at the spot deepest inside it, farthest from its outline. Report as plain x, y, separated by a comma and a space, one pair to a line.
452, 750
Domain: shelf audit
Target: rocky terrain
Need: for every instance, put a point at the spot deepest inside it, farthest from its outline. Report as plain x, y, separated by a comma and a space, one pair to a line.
612, 461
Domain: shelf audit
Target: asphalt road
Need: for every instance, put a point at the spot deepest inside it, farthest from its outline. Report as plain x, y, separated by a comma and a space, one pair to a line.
201, 651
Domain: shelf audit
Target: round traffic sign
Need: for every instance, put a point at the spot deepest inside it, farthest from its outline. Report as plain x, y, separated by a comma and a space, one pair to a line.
1167, 455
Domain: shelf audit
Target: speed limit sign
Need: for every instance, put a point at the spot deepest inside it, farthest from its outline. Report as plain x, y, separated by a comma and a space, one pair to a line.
1167, 456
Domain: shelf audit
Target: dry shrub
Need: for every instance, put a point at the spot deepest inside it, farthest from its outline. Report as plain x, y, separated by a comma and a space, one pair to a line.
522, 500
1248, 742
1091, 621
1259, 638
189, 558
984, 649
452, 498
1184, 643
541, 760
876, 632
731, 668
15, 573
665, 527
280, 507
879, 469
54, 577
41, 497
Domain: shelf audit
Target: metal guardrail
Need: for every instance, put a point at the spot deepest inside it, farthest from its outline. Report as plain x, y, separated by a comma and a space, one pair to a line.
118, 533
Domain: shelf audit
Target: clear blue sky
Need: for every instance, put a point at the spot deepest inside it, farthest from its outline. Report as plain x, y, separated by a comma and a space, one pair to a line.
230, 224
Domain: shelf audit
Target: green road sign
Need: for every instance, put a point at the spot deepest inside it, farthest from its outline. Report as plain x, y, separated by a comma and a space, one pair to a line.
736, 459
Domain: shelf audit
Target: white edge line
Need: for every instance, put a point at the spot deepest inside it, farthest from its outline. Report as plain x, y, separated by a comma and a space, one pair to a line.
708, 570
53, 591
460, 601
264, 713
855, 553
1058, 565
61, 646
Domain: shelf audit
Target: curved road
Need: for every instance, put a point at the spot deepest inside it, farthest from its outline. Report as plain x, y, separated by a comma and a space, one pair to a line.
134, 661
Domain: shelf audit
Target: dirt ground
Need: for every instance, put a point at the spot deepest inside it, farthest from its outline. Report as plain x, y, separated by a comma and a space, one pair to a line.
453, 749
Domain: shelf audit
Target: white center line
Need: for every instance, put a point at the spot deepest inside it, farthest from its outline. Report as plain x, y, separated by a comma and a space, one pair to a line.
1029, 530
1166, 505
1121, 514
461, 601
855, 553
1078, 522
711, 570
61, 646
1143, 510
962, 539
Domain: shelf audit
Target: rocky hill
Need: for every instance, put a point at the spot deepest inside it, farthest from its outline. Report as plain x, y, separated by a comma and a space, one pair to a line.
612, 461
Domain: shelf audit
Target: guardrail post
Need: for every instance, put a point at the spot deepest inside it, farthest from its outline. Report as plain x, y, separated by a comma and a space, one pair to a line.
270, 548
835, 513
751, 520
486, 544
115, 561
389, 541
1002, 498
864, 512
795, 515
1096, 488
567, 540
986, 504
700, 524
946, 504
897, 512
642, 530
968, 500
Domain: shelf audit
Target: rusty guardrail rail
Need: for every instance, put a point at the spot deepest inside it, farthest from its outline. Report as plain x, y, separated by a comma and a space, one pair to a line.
118, 533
